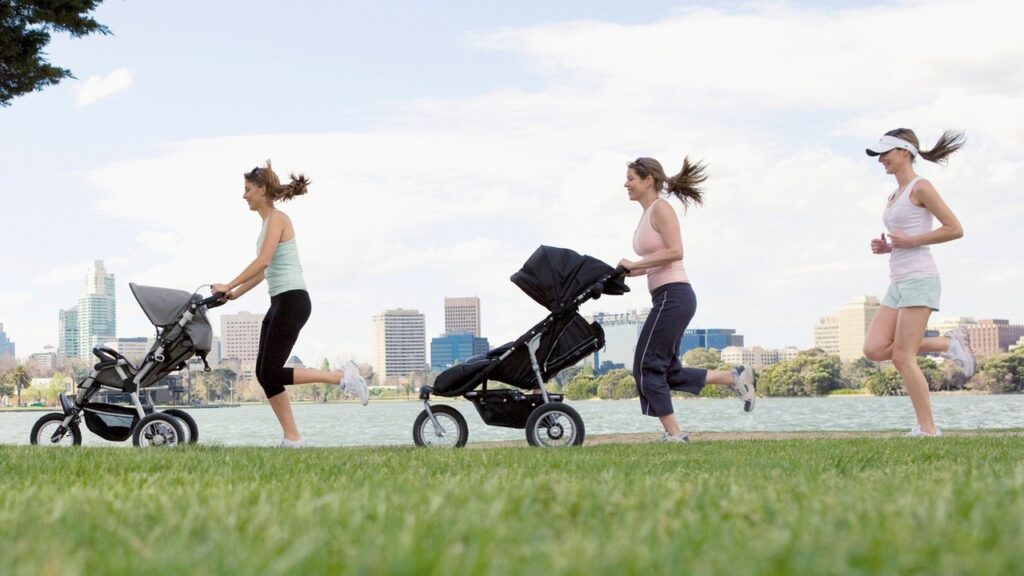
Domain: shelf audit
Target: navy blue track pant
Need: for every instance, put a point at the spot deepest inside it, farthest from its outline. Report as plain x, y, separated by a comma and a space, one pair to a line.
656, 365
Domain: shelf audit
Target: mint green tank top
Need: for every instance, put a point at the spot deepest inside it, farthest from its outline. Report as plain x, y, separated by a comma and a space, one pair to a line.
285, 270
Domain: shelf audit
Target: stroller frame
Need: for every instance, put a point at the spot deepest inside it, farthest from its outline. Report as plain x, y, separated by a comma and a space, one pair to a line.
142, 422
547, 420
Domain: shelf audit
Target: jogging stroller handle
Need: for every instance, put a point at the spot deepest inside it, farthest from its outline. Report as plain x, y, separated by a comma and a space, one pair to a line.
214, 301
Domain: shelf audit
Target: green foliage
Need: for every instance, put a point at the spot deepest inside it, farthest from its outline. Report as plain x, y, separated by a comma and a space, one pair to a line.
1002, 373
616, 384
25, 27
707, 358
855, 374
887, 382
6, 385
582, 387
809, 374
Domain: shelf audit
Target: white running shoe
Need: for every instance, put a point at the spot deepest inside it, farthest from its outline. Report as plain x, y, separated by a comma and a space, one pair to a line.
959, 351
743, 386
918, 433
683, 437
286, 443
353, 383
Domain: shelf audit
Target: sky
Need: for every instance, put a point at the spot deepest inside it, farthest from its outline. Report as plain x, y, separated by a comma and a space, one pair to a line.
446, 141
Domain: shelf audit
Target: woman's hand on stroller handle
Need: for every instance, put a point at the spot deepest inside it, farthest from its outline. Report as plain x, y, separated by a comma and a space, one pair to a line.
220, 296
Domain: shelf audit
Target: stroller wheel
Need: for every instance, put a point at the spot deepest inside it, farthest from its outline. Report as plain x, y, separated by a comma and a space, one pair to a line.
158, 429
44, 429
453, 432
554, 425
188, 425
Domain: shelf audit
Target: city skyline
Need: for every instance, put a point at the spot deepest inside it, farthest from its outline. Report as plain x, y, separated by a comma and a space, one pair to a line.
442, 158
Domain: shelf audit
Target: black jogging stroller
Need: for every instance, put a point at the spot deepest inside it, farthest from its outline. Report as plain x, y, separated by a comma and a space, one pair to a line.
561, 280
183, 331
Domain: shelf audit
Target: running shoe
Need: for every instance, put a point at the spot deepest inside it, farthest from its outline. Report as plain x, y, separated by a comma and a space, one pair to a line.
286, 443
743, 386
353, 383
918, 433
683, 437
959, 351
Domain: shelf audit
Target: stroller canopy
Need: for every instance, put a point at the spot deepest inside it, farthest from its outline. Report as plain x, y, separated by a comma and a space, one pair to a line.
163, 307
554, 276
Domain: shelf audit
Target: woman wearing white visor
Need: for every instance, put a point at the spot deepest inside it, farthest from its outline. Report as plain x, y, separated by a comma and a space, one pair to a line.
897, 331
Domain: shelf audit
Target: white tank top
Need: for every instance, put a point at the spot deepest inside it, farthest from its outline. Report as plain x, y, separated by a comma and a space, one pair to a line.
901, 215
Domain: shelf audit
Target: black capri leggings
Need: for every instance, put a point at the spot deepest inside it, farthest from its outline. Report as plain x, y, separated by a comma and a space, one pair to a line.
287, 315
656, 365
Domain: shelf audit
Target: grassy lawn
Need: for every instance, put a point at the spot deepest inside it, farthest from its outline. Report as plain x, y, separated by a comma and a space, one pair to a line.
813, 506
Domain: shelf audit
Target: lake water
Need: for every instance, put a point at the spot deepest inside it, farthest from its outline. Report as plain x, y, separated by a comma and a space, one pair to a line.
390, 423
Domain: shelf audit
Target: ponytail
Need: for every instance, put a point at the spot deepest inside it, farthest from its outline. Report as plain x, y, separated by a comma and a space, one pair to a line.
949, 142
684, 184
266, 177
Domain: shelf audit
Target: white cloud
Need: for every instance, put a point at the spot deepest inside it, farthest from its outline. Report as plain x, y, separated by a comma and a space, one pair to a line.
96, 88
451, 196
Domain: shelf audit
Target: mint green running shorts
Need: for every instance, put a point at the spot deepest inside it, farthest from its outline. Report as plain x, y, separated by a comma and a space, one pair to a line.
924, 291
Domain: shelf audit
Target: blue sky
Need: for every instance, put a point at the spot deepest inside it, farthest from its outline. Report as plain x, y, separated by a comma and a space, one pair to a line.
445, 144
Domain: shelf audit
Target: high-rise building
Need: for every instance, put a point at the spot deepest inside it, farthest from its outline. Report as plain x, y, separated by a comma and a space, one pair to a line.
134, 349
462, 315
620, 335
854, 319
96, 311
93, 321
449, 349
826, 335
400, 342
6, 344
45, 360
756, 357
717, 338
240, 339
992, 336
67, 333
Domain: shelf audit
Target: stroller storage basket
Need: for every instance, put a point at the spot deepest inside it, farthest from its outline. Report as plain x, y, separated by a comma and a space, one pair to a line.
110, 421
506, 407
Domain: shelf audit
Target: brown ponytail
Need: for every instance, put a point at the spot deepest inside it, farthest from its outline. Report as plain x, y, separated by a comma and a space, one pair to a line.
682, 185
949, 142
266, 177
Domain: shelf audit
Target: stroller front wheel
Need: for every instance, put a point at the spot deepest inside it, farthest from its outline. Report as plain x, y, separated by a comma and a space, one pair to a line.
453, 431
554, 425
157, 429
44, 429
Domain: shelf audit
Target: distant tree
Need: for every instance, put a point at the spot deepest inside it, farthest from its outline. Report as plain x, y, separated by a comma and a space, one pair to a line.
933, 374
707, 358
809, 374
855, 374
616, 385
1001, 373
25, 27
887, 382
6, 386
21, 380
581, 387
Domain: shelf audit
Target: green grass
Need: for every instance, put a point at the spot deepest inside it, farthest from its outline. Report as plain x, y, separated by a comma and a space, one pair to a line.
816, 506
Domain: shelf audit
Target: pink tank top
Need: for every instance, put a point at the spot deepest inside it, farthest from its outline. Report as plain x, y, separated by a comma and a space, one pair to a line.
647, 240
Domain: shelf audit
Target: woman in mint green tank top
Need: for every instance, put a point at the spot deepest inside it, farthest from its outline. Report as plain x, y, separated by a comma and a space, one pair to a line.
277, 262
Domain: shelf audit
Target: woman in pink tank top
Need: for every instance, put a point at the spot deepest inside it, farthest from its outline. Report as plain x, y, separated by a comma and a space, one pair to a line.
656, 365
897, 330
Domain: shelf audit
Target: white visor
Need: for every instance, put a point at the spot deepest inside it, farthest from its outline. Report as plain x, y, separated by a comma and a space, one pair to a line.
886, 143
